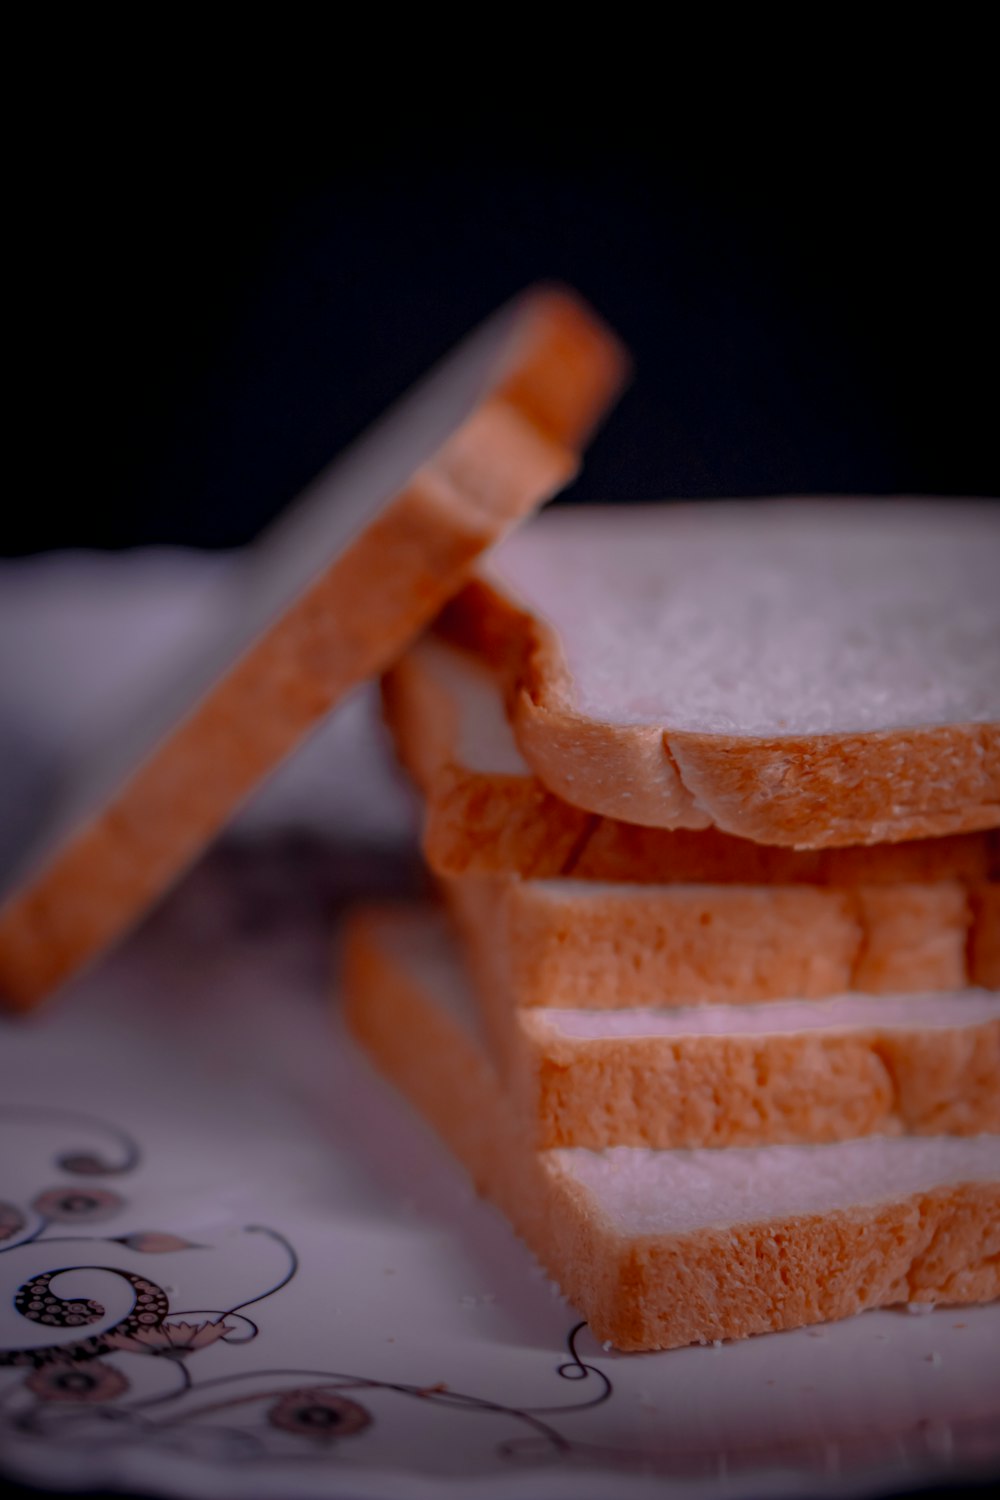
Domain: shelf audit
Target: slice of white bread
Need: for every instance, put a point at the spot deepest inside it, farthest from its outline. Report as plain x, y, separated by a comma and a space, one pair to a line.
485, 812
805, 672
327, 598
663, 1248
786, 1071
601, 946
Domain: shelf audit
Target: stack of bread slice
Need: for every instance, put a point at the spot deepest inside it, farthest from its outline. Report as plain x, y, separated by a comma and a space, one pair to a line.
711, 794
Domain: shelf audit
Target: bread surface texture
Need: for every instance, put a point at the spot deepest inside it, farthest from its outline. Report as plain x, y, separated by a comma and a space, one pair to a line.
809, 673
600, 946
663, 1248
786, 1071
486, 812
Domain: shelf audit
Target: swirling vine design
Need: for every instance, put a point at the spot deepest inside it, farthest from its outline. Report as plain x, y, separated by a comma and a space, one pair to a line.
36, 1301
124, 1157
77, 1377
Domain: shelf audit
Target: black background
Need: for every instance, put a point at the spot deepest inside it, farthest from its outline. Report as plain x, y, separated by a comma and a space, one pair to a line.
216, 306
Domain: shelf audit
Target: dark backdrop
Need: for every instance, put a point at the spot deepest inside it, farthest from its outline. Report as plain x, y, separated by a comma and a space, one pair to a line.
212, 317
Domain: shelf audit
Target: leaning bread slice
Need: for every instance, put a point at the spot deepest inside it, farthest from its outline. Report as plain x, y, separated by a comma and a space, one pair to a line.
663, 1248
327, 598
486, 812
808, 673
584, 944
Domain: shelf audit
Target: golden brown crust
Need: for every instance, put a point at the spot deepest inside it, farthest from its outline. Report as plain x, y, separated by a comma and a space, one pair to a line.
573, 372
984, 941
914, 938
438, 1066
792, 1088
511, 454
587, 947
620, 851
934, 1247
527, 952
847, 788
472, 817
805, 792
484, 823
660, 1292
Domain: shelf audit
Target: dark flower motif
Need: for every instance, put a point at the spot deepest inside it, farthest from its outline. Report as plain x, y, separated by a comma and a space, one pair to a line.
168, 1338
37, 1301
72, 1205
318, 1414
63, 1381
156, 1242
11, 1221
85, 1164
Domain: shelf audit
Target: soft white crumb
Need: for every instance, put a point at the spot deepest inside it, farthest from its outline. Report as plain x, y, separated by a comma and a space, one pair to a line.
895, 621
716, 1343
918, 1309
607, 1345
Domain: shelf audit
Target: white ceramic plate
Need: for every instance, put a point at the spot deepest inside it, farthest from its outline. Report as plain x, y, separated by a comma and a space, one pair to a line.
280, 1284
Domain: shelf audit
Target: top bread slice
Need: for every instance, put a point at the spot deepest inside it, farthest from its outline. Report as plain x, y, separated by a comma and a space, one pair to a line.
327, 598
487, 813
809, 673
